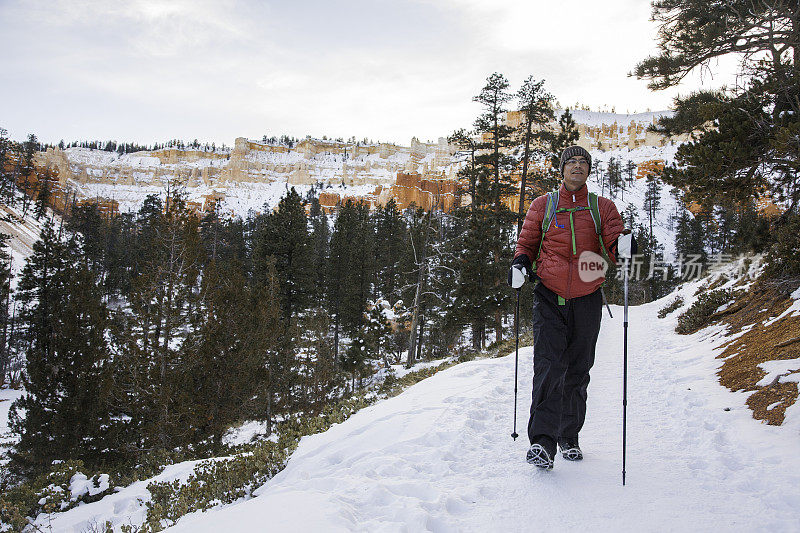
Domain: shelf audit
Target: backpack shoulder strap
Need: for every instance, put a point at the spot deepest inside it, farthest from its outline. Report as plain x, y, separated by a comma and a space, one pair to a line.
595, 210
598, 222
547, 220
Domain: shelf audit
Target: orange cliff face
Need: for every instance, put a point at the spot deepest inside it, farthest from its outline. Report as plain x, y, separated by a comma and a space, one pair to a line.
653, 167
426, 192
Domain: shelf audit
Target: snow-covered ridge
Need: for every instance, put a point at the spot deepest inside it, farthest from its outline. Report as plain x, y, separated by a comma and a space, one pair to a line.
254, 174
598, 118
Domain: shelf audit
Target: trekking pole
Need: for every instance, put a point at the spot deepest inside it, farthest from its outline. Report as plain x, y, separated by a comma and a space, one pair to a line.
624, 370
516, 366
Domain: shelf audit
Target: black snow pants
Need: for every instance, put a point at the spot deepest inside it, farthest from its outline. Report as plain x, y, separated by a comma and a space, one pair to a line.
564, 340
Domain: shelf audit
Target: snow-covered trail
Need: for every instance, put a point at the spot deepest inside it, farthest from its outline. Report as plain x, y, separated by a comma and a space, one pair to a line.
439, 457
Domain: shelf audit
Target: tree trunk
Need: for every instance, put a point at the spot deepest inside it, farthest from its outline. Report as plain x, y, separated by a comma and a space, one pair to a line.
336, 340
421, 330
412, 337
476, 337
269, 407
423, 266
498, 325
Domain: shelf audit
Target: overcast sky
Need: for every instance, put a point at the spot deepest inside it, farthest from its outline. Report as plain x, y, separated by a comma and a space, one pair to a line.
147, 71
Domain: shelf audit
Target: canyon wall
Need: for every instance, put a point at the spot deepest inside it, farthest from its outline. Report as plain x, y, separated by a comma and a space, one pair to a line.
423, 174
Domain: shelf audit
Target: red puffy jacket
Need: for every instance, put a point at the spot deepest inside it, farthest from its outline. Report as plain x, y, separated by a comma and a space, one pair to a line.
557, 266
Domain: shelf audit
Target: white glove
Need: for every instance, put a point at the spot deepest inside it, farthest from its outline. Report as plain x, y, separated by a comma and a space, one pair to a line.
624, 246
518, 276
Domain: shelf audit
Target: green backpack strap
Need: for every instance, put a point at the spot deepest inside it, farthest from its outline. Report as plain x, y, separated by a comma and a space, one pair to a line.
598, 223
549, 213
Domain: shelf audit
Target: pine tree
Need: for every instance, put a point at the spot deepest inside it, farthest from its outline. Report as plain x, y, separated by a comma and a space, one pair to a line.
744, 139
63, 319
630, 175
5, 299
162, 298
320, 246
690, 238
390, 231
653, 268
475, 281
469, 173
444, 330
285, 237
351, 269
226, 353
536, 106
751, 232
320, 379
418, 237
223, 239
497, 166
86, 220
469, 244
27, 169
629, 218
652, 198
43, 194
6, 174
568, 135
360, 280
614, 175
600, 176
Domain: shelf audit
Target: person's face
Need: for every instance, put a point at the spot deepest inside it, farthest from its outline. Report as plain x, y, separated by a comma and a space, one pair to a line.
576, 171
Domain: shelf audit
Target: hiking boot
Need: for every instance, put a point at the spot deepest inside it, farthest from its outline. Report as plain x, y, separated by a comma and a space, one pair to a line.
542, 452
570, 449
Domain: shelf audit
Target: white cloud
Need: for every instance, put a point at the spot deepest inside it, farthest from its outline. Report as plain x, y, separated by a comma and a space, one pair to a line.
149, 70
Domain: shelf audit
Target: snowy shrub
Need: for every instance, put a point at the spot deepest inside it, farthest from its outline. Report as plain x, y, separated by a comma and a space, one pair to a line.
670, 307
721, 280
396, 387
214, 483
504, 347
221, 482
700, 312
467, 355
64, 487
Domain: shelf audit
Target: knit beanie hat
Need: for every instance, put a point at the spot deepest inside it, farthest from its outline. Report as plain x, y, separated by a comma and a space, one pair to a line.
572, 151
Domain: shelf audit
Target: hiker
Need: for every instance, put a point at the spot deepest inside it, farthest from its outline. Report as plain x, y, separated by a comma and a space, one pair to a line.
567, 301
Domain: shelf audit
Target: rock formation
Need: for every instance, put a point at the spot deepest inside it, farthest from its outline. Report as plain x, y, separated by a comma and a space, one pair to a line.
424, 174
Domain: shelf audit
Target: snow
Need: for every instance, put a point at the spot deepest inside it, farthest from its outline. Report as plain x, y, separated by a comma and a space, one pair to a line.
438, 457
401, 370
635, 193
780, 370
80, 485
598, 118
7, 397
246, 433
792, 310
127, 506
